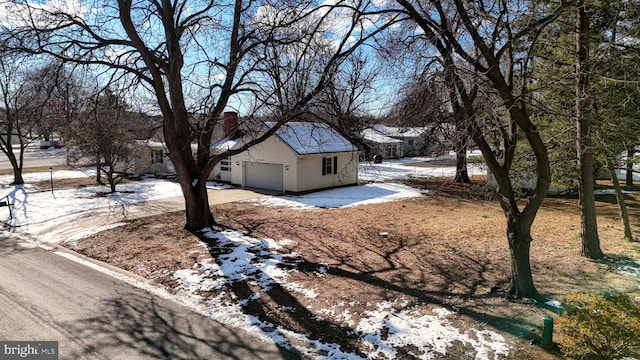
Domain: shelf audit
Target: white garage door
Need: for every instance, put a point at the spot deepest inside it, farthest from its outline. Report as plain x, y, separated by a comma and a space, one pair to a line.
263, 176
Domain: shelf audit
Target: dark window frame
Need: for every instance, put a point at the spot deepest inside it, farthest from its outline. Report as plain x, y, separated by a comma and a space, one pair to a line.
329, 165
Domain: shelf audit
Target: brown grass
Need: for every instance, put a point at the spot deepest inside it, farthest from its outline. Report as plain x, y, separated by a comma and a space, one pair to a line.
445, 249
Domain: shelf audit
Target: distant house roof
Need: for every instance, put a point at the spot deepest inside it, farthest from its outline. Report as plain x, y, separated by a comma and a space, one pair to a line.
377, 137
400, 132
227, 142
151, 144
313, 138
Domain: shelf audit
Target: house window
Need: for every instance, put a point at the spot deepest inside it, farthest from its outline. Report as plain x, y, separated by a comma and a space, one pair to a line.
157, 157
329, 165
225, 164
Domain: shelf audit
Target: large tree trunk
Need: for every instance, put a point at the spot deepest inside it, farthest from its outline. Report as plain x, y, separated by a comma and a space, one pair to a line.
631, 152
99, 174
194, 188
191, 178
197, 207
624, 215
519, 236
590, 239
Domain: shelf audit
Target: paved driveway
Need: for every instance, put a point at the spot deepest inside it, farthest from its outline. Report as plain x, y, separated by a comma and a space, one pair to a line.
230, 195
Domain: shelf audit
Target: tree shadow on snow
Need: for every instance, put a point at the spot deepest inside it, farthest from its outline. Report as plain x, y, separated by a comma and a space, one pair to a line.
281, 307
388, 279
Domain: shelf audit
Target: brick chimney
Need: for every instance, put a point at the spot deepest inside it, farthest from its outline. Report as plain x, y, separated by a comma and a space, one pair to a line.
230, 122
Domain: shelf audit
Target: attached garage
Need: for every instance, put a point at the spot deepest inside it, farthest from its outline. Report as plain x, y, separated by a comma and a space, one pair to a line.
299, 157
263, 175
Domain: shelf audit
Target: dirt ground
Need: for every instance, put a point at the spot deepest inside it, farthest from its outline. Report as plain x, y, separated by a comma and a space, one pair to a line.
447, 248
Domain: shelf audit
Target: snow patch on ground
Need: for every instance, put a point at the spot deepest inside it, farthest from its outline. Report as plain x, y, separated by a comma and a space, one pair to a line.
554, 303
344, 197
630, 270
255, 261
430, 334
34, 209
625, 267
402, 169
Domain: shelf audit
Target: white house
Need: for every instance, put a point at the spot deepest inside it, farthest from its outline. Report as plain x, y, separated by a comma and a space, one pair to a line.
396, 142
383, 145
151, 157
299, 157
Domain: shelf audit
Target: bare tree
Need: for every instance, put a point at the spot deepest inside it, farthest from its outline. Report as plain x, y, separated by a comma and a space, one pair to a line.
200, 54
107, 132
494, 39
55, 91
427, 101
427, 98
344, 102
27, 98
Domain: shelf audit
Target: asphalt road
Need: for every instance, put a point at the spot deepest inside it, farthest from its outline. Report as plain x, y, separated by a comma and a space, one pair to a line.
47, 297
33, 160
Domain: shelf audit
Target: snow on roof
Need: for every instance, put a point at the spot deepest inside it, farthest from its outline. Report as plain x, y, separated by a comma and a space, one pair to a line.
375, 136
226, 143
397, 132
152, 144
313, 138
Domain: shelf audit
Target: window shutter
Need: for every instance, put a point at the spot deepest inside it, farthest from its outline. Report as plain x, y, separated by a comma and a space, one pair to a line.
335, 164
324, 168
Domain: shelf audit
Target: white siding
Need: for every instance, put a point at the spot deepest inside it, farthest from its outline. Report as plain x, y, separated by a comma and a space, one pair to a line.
310, 171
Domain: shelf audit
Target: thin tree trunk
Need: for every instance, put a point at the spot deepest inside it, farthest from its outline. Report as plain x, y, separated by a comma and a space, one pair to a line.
16, 163
631, 152
17, 176
99, 174
622, 204
111, 180
589, 226
98, 161
462, 172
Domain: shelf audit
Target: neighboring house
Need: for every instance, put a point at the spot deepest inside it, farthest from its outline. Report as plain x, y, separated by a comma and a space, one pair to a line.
300, 157
151, 157
383, 145
412, 139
